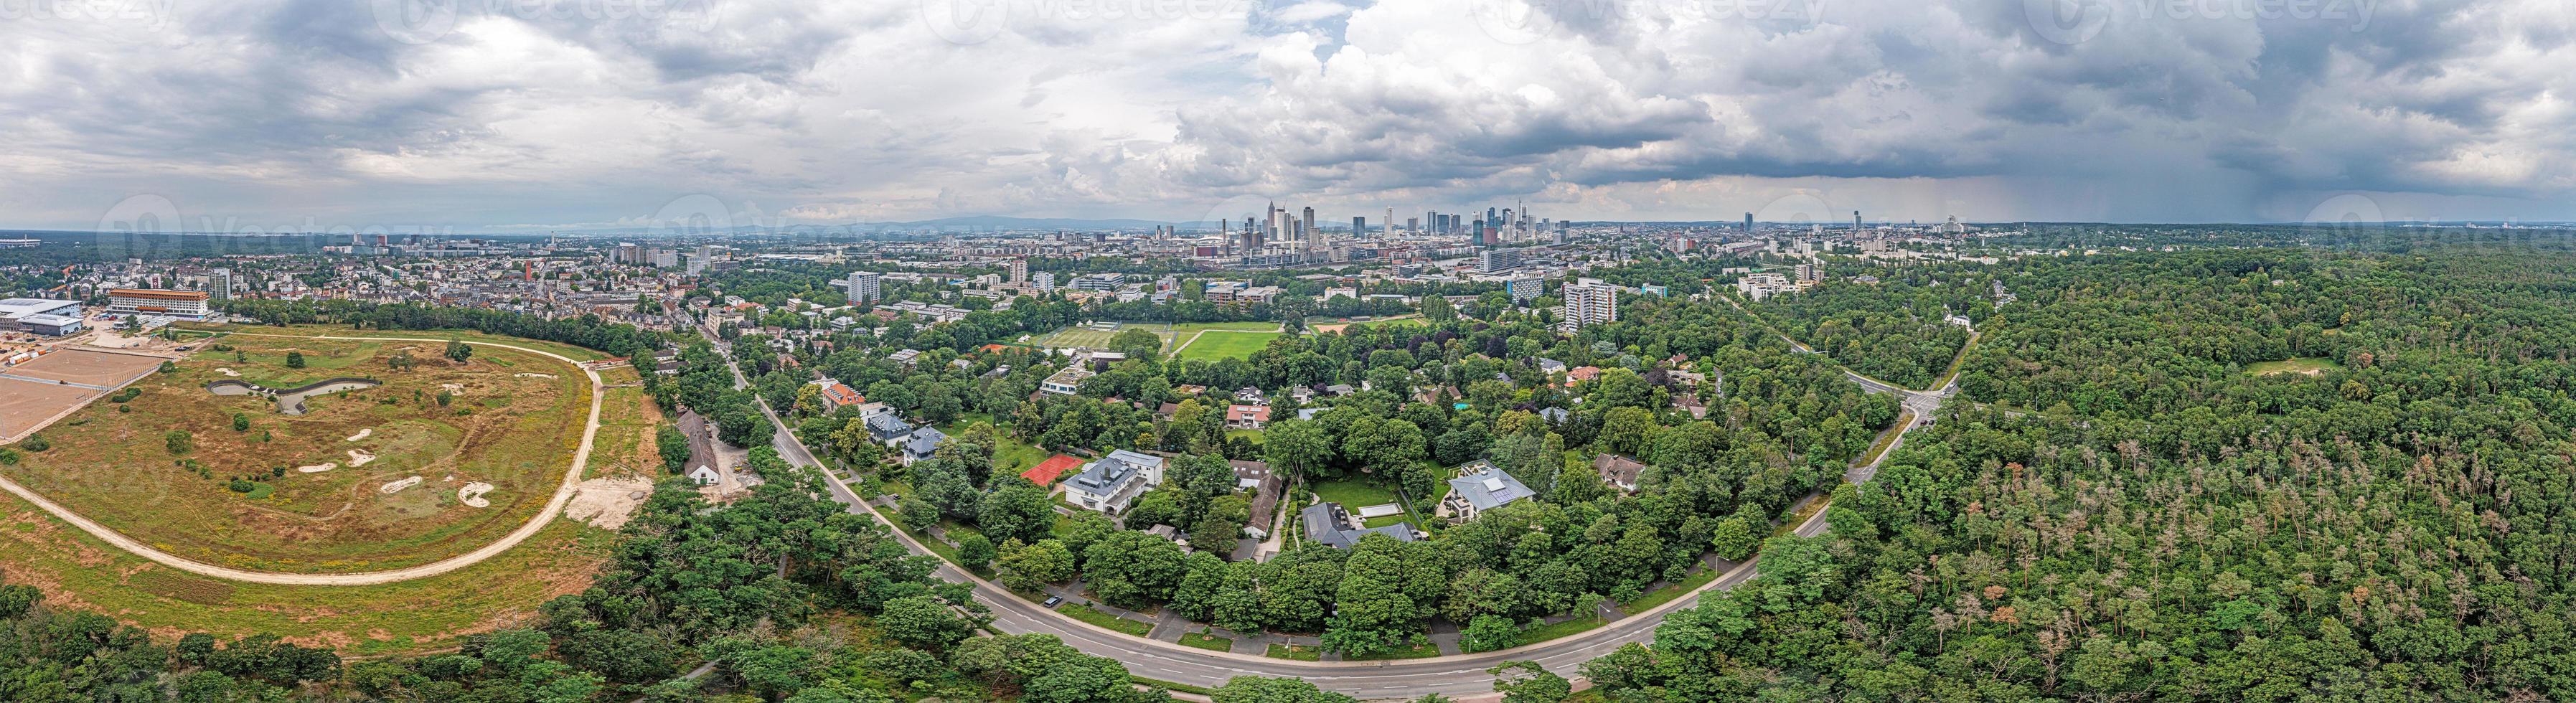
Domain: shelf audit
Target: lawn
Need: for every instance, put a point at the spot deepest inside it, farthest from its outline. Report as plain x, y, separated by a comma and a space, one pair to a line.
1219, 344
1568, 628
1012, 457
1078, 336
507, 426
1354, 494
1297, 652
1086, 614
1207, 641
1666, 594
1425, 651
2305, 366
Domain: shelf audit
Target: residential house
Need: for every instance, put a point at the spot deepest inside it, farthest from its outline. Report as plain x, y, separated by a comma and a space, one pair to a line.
1691, 404
705, 475
1067, 381
1247, 417
1478, 487
1330, 525
920, 444
1618, 471
1111, 483
836, 395
1265, 485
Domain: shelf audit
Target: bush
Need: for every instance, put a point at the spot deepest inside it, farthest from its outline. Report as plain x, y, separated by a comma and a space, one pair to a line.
35, 443
240, 485
179, 441
241, 422
295, 360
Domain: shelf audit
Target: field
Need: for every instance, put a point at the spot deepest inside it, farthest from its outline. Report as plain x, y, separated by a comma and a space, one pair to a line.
1172, 335
627, 421
512, 422
1219, 344
78, 572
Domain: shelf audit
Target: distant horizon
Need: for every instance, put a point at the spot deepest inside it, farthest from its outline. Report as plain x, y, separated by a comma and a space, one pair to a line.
962, 223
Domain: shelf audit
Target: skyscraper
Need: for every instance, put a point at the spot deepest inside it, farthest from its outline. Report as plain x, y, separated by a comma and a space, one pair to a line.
1590, 302
1388, 224
865, 286
1308, 220
1748, 222
1019, 271
219, 284
1359, 226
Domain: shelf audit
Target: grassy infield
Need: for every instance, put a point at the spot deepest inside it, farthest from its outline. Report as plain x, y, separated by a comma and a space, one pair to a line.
194, 517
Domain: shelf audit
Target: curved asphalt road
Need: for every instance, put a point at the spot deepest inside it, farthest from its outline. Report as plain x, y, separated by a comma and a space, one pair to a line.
1456, 676
554, 506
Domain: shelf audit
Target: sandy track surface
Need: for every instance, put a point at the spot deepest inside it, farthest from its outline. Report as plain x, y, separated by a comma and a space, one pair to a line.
554, 507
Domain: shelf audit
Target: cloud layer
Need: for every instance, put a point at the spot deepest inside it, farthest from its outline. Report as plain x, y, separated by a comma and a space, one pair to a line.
536, 113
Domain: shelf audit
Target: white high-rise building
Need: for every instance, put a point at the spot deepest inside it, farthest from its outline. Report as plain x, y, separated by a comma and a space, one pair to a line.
865, 286
1590, 302
1044, 280
219, 284
1019, 271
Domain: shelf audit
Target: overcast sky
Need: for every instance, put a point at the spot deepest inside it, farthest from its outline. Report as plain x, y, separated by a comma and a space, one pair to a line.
484, 114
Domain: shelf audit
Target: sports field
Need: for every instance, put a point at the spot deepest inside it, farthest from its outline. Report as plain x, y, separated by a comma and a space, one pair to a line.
1212, 345
1172, 335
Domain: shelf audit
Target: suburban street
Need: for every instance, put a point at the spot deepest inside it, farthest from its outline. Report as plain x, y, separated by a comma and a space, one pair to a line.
1457, 675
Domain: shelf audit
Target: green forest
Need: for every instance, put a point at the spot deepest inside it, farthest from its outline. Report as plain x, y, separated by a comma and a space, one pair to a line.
2117, 508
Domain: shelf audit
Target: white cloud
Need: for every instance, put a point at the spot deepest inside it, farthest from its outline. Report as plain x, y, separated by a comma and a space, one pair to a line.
282, 110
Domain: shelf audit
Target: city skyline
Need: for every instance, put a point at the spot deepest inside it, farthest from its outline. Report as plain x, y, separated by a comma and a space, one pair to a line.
493, 117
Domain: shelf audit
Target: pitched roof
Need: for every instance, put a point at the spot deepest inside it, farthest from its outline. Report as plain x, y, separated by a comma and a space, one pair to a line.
1618, 469
924, 441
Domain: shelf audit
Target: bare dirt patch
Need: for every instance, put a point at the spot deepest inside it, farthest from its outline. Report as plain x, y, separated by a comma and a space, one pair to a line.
607, 503
472, 494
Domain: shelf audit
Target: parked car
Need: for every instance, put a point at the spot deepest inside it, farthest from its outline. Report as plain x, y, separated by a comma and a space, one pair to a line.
1053, 601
